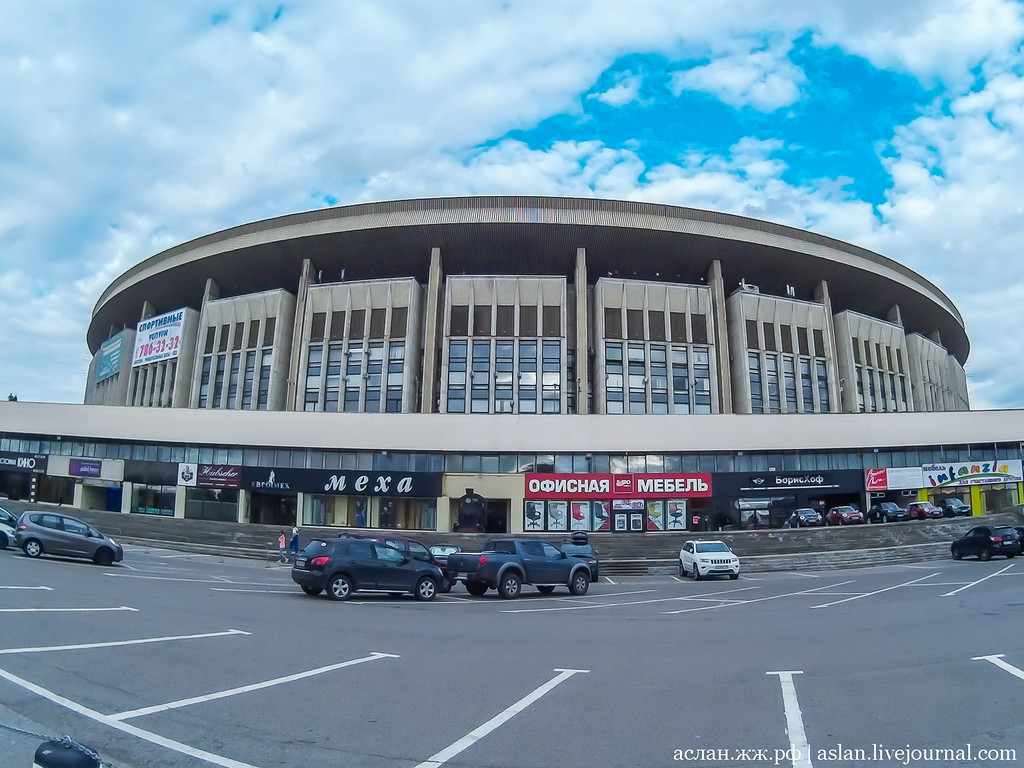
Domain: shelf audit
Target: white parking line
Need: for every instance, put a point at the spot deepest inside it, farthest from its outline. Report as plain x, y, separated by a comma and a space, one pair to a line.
609, 580
876, 592
800, 749
259, 591
194, 581
131, 730
112, 643
629, 602
48, 589
251, 687
475, 735
758, 599
997, 659
66, 610
985, 578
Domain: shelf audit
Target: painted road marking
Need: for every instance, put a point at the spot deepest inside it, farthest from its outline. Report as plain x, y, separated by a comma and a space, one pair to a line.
112, 643
259, 591
876, 592
131, 730
47, 589
985, 578
195, 581
757, 599
628, 602
997, 659
800, 749
609, 580
251, 687
475, 735
66, 610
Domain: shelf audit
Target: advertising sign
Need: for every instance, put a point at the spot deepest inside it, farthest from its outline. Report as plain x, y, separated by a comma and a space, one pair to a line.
111, 353
339, 482
209, 475
971, 473
607, 486
23, 462
158, 338
676, 516
85, 467
580, 518
893, 478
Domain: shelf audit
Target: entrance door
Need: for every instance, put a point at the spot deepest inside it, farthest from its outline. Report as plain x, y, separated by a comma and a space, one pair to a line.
497, 516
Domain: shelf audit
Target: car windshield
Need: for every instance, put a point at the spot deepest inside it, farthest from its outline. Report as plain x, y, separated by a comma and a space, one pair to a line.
577, 549
443, 550
712, 546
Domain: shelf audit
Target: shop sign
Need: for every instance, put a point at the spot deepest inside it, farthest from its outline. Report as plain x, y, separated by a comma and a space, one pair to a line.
158, 338
893, 478
342, 482
778, 481
972, 473
627, 505
209, 475
23, 462
85, 467
605, 486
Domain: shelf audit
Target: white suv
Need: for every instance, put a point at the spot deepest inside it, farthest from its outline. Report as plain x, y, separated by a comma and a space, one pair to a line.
708, 558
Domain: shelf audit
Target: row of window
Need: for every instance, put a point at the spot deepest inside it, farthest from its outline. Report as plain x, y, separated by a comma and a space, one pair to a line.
383, 324
354, 377
507, 463
234, 381
218, 338
775, 388
501, 320
785, 338
891, 391
684, 327
656, 378
879, 360
504, 376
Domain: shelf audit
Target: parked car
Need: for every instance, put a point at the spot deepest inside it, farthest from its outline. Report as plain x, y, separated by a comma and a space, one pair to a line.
411, 548
348, 564
507, 564
805, 517
8, 524
923, 510
52, 533
578, 545
440, 554
986, 541
708, 558
887, 512
844, 515
953, 507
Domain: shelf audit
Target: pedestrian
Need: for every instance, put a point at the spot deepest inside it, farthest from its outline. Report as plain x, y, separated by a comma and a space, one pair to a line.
295, 541
282, 557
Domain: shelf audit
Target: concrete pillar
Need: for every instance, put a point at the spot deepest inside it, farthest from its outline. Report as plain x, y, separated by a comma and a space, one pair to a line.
306, 278
431, 332
211, 291
179, 501
127, 491
720, 338
582, 382
243, 506
77, 495
822, 297
444, 514
894, 315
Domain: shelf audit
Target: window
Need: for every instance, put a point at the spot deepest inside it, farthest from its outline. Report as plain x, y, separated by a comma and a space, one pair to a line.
819, 343
856, 351
253, 337
211, 334
769, 336
677, 323
249, 379
316, 332
457, 376
612, 323
823, 403
656, 325
680, 380
357, 325
552, 321
218, 380
786, 333
399, 321
269, 326
222, 339
754, 372
505, 320
482, 320
353, 376
701, 380
313, 369
637, 378
613, 377
752, 340
263, 392
204, 381
236, 365
551, 397
528, 377
699, 328
528, 320
806, 385
236, 341
771, 367
789, 381
332, 384
480, 384
337, 326
504, 371
374, 374
634, 325
396, 377
659, 379
803, 345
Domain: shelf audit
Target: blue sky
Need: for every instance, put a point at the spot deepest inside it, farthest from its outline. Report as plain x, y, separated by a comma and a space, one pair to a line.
128, 128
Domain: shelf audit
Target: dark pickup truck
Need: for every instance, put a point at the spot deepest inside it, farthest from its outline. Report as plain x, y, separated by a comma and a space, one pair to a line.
507, 564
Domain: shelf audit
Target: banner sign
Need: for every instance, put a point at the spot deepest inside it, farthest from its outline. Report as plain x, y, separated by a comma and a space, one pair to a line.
608, 486
158, 338
285, 481
893, 478
777, 481
111, 353
23, 462
85, 467
972, 473
209, 475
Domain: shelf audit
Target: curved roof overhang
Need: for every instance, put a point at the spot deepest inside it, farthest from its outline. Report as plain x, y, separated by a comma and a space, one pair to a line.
527, 236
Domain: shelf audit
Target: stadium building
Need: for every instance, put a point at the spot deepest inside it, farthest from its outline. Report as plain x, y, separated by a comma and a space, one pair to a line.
542, 363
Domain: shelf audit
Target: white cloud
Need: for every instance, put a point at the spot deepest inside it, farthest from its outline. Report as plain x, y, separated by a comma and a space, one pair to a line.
625, 91
763, 79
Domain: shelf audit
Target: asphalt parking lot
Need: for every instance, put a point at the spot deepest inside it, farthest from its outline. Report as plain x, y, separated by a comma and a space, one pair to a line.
173, 659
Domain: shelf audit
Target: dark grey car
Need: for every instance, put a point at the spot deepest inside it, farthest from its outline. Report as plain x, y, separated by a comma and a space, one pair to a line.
40, 532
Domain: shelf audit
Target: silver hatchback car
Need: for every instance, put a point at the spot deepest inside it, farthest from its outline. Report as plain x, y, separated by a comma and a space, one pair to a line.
52, 533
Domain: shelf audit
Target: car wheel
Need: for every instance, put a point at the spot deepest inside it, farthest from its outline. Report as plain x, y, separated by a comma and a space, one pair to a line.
545, 589
734, 576
509, 586
580, 583
682, 571
32, 548
339, 587
103, 557
476, 588
885, 518
985, 554
426, 589
312, 591
1011, 555
446, 587
957, 554
696, 573
4, 541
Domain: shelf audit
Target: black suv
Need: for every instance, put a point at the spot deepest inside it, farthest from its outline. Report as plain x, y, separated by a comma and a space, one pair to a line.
355, 564
985, 541
578, 545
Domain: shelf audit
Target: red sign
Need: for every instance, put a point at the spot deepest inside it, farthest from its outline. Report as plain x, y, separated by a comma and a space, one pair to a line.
607, 486
876, 479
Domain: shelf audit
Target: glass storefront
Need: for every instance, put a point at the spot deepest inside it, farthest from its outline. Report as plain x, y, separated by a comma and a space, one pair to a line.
370, 511
211, 504
153, 500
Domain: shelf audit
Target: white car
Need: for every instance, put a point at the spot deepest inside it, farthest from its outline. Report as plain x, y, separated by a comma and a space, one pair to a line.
708, 558
8, 522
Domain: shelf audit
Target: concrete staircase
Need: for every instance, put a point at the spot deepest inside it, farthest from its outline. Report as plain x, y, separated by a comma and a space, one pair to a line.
621, 554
